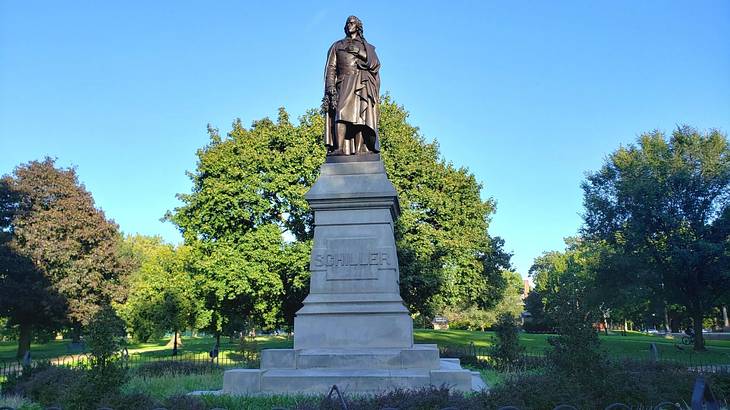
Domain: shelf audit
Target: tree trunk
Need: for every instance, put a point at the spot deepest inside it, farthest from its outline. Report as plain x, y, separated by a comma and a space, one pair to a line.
699, 337
724, 318
667, 329
26, 335
174, 344
76, 333
218, 340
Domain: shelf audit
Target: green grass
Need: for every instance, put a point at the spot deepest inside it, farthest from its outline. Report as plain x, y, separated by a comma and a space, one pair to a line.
633, 345
166, 386
159, 348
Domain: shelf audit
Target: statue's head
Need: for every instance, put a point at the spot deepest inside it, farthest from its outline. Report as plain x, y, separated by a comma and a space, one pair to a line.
353, 24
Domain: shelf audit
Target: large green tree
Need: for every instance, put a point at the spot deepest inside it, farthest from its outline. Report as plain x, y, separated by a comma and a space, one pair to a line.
163, 295
666, 204
247, 220
61, 245
445, 253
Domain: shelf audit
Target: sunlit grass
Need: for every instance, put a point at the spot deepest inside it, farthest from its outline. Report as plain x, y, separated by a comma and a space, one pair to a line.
632, 345
165, 386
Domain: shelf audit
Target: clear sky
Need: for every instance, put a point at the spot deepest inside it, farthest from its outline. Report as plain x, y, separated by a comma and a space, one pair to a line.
528, 95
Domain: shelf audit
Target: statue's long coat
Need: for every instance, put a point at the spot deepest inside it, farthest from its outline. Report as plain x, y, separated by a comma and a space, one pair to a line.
358, 92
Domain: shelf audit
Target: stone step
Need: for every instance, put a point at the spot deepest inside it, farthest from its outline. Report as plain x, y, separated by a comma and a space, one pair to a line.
418, 357
347, 380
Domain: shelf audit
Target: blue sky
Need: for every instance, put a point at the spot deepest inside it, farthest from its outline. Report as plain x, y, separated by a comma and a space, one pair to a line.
528, 95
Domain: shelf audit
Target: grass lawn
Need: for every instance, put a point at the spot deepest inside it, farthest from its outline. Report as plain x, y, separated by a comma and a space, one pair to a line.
634, 345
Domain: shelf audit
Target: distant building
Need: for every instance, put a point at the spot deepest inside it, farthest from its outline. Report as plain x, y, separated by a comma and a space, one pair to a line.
526, 288
440, 323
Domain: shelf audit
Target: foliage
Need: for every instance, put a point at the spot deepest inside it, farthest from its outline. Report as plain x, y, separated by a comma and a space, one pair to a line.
635, 384
564, 279
423, 398
537, 321
507, 351
664, 205
248, 189
163, 296
250, 228
104, 336
475, 318
18, 402
60, 253
575, 350
445, 254
249, 350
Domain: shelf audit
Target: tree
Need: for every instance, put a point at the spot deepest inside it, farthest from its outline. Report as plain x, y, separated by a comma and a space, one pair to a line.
665, 204
507, 351
248, 191
472, 317
60, 242
577, 267
250, 227
26, 296
163, 295
445, 253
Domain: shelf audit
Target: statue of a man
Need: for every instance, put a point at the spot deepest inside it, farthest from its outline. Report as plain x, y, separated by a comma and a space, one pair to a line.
352, 89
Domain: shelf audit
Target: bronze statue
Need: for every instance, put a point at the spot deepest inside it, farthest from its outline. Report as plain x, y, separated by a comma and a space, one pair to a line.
352, 90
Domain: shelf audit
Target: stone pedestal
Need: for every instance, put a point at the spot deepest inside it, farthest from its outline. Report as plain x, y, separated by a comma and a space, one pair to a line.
353, 330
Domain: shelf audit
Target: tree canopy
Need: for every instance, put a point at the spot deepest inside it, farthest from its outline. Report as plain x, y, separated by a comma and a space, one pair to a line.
163, 296
63, 253
248, 223
664, 206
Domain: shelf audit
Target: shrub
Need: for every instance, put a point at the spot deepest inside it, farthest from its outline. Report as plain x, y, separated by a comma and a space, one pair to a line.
173, 367
47, 385
105, 338
507, 352
419, 399
632, 383
720, 384
248, 348
136, 401
185, 402
575, 350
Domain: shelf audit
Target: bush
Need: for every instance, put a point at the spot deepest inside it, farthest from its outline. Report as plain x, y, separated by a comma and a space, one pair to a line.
635, 384
507, 352
173, 367
47, 385
575, 350
185, 402
134, 401
105, 338
419, 399
720, 384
